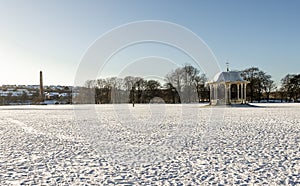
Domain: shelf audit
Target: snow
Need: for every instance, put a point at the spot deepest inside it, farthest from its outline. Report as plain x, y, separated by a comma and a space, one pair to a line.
150, 144
231, 76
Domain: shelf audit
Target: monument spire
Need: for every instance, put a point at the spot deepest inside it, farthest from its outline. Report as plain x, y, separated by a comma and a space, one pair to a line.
41, 87
227, 64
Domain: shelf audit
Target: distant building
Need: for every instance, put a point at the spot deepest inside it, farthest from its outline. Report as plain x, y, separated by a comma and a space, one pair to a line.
52, 95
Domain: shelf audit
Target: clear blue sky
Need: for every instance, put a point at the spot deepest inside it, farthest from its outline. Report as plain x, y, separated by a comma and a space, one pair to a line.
53, 35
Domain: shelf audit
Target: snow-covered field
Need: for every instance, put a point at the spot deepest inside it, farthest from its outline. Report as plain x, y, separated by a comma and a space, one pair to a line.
152, 144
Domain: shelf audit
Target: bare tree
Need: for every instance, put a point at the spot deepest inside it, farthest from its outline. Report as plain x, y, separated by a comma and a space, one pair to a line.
188, 82
268, 85
201, 88
176, 79
190, 74
251, 75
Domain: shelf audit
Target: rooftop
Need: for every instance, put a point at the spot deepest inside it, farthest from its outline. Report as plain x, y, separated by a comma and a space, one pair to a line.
230, 76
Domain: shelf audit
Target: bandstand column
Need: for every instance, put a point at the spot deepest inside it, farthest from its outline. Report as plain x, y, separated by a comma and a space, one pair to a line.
242, 92
238, 91
229, 93
215, 92
212, 92
226, 93
210, 88
245, 92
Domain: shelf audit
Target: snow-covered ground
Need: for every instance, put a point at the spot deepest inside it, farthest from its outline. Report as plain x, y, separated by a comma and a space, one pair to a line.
153, 144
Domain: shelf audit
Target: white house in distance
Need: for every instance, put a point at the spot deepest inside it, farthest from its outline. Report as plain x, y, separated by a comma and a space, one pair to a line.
228, 88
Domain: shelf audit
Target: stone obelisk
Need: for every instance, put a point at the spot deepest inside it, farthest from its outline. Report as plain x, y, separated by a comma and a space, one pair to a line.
41, 87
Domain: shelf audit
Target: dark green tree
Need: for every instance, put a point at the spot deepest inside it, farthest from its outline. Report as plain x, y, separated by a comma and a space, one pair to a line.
290, 86
260, 83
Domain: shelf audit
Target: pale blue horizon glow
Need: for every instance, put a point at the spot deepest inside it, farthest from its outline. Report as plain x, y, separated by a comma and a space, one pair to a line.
53, 35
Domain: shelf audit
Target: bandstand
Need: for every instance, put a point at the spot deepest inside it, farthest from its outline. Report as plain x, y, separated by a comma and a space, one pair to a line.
228, 88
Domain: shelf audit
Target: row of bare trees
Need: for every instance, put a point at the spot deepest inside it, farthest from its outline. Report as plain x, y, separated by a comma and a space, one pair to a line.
187, 84
183, 85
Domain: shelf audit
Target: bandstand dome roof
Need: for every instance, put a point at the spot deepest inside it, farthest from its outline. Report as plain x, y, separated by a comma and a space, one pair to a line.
230, 76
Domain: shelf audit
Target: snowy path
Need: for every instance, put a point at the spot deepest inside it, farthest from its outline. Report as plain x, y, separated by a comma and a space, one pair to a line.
190, 144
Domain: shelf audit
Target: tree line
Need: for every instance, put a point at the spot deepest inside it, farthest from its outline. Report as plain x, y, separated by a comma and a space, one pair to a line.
182, 85
290, 88
187, 84
262, 87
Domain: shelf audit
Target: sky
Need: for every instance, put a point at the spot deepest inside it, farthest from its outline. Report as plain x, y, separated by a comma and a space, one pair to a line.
54, 35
